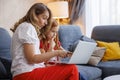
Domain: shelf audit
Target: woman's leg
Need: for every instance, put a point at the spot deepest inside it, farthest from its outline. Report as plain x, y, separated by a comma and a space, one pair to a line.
58, 72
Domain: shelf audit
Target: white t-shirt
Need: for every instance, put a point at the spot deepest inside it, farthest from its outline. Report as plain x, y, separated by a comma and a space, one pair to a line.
25, 33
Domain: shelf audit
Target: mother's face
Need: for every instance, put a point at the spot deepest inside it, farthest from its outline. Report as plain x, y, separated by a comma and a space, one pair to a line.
43, 19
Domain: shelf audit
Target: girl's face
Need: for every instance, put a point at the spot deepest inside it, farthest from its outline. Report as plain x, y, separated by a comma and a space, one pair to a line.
43, 19
52, 33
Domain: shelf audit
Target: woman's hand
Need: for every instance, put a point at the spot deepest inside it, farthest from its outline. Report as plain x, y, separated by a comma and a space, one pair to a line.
69, 54
62, 53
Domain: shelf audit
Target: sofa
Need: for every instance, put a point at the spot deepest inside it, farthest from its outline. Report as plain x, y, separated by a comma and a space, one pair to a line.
108, 33
69, 34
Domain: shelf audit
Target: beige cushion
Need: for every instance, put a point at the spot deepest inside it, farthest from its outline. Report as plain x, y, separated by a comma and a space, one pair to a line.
97, 56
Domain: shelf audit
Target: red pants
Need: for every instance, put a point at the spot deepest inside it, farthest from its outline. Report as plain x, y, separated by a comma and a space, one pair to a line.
58, 72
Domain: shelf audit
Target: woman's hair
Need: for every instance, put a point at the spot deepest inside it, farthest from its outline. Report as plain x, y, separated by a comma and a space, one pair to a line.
31, 17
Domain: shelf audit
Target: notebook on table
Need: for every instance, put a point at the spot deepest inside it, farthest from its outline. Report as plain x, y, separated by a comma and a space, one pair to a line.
81, 54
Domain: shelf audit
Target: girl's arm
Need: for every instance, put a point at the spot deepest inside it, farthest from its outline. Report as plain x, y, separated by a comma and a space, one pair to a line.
29, 51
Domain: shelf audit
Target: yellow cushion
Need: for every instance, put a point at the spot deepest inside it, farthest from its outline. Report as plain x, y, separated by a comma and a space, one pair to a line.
112, 50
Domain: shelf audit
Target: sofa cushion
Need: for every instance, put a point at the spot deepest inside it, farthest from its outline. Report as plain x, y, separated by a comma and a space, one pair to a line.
112, 50
109, 68
83, 38
97, 56
68, 34
73, 46
89, 72
5, 41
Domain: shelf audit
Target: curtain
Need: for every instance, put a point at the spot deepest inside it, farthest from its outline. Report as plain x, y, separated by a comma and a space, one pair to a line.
76, 8
101, 12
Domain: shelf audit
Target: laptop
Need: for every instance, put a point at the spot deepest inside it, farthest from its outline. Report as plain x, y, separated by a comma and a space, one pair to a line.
81, 54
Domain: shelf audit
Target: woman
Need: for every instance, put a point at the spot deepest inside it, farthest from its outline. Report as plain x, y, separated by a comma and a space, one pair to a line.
27, 60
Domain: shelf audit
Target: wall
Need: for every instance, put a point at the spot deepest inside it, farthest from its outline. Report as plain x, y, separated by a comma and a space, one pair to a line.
81, 22
12, 10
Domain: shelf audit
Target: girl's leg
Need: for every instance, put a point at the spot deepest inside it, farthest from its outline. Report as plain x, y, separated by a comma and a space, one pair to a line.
58, 72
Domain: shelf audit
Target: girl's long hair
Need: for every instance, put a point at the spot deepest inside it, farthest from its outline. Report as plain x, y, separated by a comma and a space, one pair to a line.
45, 40
31, 17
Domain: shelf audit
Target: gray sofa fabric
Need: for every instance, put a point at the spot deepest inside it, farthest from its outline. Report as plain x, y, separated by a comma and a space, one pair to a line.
108, 33
69, 35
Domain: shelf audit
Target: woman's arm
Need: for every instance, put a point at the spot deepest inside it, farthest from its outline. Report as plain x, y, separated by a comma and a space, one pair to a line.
29, 51
42, 50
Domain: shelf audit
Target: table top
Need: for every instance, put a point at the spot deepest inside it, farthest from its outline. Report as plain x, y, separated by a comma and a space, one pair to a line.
113, 77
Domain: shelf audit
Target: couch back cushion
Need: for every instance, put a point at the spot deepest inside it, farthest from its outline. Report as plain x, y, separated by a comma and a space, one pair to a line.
5, 41
68, 34
108, 33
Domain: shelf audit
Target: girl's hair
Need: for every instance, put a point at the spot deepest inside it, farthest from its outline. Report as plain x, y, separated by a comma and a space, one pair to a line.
45, 41
31, 17
53, 24
57, 43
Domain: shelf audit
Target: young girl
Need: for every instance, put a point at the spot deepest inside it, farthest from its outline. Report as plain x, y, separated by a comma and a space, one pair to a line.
27, 60
51, 41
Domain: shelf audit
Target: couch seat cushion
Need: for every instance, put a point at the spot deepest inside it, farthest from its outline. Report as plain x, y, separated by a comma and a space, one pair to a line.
109, 68
89, 72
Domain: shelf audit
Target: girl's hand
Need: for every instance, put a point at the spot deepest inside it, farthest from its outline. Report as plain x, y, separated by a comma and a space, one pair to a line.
52, 45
